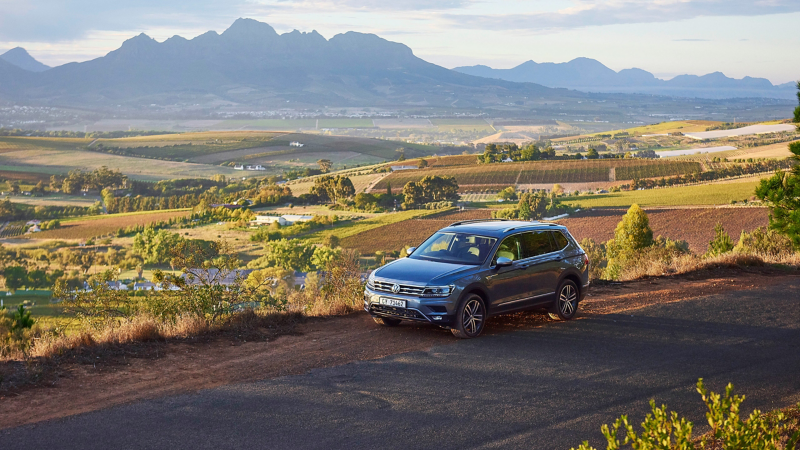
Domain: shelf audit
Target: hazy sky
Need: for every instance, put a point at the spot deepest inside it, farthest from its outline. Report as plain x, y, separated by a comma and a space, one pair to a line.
667, 37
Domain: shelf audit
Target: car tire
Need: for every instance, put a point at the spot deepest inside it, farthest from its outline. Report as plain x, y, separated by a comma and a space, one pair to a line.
566, 304
470, 318
387, 321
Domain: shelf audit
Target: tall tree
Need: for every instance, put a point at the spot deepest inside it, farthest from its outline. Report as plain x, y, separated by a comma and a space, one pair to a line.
782, 192
325, 165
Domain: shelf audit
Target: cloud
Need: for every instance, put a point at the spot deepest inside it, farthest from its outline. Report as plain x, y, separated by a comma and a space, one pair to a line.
374, 5
589, 13
60, 20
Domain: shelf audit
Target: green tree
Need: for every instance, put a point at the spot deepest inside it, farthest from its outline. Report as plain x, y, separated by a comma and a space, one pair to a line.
782, 193
592, 154
155, 247
289, 254
323, 256
509, 193
413, 194
632, 234
722, 242
21, 320
423, 163
325, 165
16, 277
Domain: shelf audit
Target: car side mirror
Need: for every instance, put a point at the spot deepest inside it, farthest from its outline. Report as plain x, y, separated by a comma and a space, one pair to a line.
503, 262
410, 250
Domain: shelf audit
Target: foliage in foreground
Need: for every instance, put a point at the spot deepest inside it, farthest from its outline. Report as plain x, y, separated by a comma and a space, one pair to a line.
633, 252
782, 191
668, 431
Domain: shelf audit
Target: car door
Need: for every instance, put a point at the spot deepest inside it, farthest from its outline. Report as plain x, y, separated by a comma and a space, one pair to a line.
507, 284
541, 265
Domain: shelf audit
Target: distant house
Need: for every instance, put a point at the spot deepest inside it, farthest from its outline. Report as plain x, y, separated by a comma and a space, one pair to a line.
284, 220
256, 167
296, 144
112, 285
32, 222
238, 167
34, 229
396, 168
507, 159
144, 286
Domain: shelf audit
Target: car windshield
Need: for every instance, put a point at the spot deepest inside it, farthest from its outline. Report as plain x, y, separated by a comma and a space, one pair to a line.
456, 248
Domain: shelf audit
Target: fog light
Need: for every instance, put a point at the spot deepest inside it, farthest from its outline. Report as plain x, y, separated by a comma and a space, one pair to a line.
437, 317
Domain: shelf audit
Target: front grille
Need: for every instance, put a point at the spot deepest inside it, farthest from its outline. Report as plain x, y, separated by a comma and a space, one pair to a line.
398, 312
407, 289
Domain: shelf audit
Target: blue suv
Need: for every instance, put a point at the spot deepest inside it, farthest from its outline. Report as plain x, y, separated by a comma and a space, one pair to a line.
475, 269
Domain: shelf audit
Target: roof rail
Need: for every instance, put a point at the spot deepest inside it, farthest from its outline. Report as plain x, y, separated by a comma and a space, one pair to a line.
532, 223
478, 220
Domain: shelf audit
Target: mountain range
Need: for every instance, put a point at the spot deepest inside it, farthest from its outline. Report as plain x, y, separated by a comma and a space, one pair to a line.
589, 75
251, 63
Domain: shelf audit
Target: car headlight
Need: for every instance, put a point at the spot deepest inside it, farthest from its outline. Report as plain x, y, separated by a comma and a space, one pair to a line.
438, 291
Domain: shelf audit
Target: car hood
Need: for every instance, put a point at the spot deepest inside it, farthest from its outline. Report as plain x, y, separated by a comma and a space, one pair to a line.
422, 272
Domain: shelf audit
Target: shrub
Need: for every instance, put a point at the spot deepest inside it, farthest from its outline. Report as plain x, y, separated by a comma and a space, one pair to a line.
668, 431
764, 242
722, 242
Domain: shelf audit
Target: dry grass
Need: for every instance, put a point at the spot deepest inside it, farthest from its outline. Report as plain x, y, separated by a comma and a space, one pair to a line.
693, 263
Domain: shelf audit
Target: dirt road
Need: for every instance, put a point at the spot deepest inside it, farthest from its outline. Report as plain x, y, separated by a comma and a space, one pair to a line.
186, 367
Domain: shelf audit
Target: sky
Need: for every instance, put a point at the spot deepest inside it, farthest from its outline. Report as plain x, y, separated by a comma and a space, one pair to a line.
666, 37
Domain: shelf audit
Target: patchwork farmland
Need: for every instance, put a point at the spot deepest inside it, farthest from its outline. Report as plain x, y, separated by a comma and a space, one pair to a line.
507, 174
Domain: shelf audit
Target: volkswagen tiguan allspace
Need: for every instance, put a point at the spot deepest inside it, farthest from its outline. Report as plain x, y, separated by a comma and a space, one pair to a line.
475, 269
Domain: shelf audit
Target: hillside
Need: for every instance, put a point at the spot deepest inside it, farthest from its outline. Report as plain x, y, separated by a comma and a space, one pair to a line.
251, 63
589, 75
20, 57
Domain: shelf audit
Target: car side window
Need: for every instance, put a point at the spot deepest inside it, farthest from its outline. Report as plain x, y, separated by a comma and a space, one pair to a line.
560, 240
509, 248
535, 243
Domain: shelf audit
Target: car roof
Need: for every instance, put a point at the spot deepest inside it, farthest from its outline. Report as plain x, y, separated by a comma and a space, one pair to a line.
498, 227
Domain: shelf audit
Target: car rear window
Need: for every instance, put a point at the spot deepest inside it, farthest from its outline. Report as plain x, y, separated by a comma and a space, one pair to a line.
560, 240
535, 243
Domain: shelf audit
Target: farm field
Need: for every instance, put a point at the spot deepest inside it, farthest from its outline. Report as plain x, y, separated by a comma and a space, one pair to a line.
24, 177
705, 194
395, 236
682, 126
188, 145
57, 200
355, 227
744, 131
506, 174
90, 227
360, 183
53, 161
777, 151
693, 225
479, 125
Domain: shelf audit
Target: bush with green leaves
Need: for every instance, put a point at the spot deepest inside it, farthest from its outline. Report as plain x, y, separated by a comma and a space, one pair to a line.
722, 242
662, 430
632, 234
764, 242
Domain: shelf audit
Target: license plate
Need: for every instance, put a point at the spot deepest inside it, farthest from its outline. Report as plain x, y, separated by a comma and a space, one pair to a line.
392, 302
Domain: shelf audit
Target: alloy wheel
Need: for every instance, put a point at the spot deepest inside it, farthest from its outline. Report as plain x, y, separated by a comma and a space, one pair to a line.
473, 317
568, 300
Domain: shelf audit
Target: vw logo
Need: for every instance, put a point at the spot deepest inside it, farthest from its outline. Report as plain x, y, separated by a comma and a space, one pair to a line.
396, 288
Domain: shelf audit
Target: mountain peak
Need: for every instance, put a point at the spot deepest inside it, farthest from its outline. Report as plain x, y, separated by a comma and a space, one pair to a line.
249, 29
20, 57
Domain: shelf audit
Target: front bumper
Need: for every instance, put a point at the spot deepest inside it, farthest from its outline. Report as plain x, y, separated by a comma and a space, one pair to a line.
431, 310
